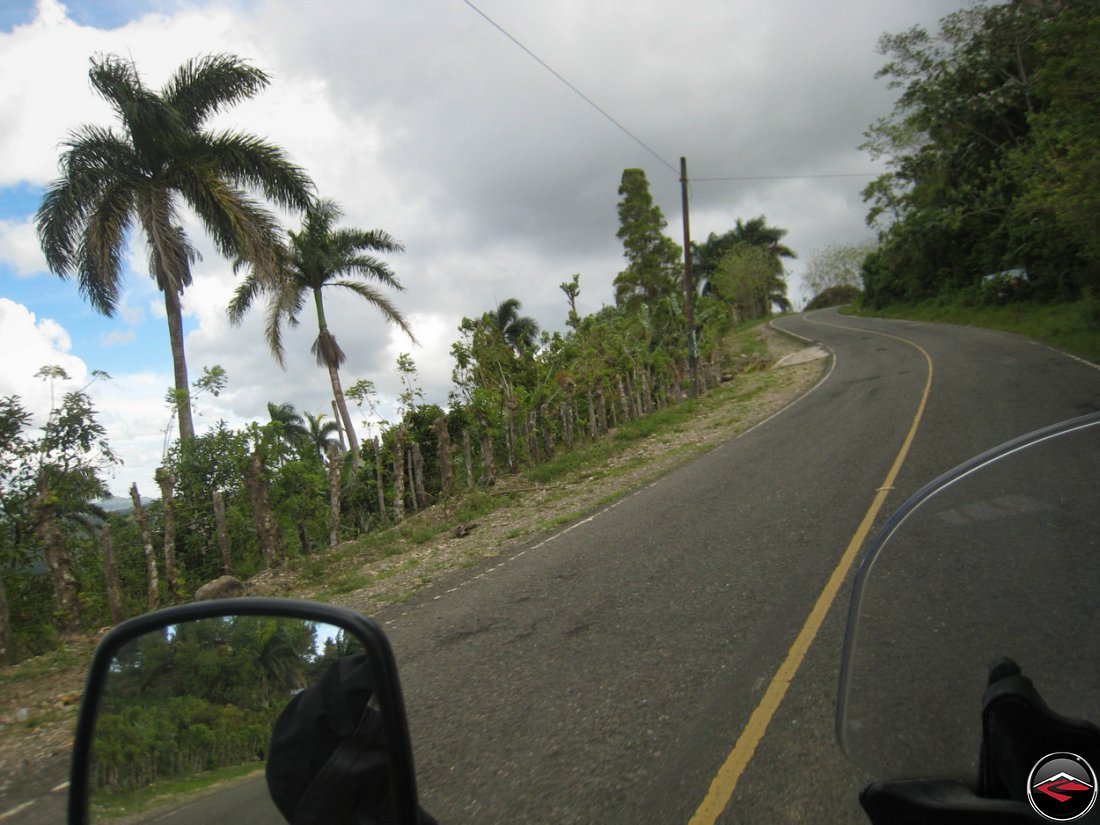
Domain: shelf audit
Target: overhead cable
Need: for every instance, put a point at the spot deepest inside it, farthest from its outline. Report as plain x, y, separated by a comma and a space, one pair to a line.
572, 88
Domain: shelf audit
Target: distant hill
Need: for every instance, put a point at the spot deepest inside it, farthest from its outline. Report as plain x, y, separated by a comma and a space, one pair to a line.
118, 504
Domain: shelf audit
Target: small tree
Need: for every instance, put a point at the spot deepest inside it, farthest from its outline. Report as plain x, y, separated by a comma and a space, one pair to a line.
68, 457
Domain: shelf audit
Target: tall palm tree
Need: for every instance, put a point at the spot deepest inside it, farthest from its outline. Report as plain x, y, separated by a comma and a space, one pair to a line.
316, 258
162, 159
520, 331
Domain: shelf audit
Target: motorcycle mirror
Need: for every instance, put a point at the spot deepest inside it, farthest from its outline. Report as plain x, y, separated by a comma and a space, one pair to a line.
240, 710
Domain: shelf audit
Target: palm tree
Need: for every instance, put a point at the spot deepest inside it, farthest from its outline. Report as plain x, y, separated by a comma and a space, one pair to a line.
754, 234
520, 331
322, 434
162, 159
316, 257
292, 430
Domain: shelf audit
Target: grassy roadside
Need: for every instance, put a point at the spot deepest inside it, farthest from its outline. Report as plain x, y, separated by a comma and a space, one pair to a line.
1070, 327
391, 566
36, 710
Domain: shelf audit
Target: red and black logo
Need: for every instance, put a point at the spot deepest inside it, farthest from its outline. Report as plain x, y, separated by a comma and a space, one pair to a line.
1062, 787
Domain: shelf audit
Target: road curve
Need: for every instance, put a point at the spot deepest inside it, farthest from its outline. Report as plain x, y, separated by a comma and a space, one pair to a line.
604, 675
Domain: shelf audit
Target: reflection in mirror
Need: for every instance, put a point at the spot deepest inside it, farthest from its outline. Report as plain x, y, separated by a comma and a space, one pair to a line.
185, 723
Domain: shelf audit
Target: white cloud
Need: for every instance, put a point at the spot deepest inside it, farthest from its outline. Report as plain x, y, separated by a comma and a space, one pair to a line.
19, 247
38, 342
118, 337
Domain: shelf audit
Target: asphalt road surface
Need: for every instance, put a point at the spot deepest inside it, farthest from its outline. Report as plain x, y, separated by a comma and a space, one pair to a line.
604, 673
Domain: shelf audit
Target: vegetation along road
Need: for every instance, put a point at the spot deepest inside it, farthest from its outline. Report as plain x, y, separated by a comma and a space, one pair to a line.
624, 668
605, 673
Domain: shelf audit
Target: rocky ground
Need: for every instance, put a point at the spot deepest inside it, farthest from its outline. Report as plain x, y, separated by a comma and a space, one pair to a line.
38, 698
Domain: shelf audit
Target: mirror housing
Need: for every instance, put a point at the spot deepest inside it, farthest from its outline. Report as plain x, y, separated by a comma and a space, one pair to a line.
385, 685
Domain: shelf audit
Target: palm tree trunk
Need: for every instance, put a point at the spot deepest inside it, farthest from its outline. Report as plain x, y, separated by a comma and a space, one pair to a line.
335, 463
179, 364
222, 529
337, 389
263, 517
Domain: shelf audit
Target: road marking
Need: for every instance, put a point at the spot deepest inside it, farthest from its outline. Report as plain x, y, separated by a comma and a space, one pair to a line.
8, 814
725, 781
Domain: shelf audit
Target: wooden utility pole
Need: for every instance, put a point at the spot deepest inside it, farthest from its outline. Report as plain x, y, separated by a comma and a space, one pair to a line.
689, 285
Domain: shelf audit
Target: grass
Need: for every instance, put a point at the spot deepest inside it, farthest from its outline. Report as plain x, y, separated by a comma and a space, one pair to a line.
1071, 327
167, 793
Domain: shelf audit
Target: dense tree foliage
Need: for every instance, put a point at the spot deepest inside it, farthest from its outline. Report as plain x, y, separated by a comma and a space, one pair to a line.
992, 154
745, 267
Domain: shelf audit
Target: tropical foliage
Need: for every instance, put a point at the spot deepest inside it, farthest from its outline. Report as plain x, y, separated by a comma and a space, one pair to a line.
992, 155
163, 159
280, 491
322, 256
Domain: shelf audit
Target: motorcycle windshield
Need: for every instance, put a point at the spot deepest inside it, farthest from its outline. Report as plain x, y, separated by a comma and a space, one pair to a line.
1000, 557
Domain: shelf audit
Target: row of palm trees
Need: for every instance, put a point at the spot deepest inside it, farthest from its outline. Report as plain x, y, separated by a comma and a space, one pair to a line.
164, 157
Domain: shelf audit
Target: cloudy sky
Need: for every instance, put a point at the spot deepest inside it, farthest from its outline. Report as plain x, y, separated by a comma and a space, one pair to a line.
421, 118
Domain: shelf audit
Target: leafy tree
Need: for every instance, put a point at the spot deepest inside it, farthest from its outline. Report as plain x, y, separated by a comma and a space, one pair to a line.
572, 290
750, 279
653, 259
318, 256
54, 480
164, 158
1060, 166
708, 256
15, 486
988, 149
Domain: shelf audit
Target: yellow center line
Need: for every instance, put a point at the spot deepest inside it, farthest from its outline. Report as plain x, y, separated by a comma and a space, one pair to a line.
725, 781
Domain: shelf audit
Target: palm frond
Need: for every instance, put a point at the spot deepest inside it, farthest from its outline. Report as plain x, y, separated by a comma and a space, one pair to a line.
253, 163
383, 304
170, 253
96, 161
102, 244
240, 226
370, 267
205, 85
149, 121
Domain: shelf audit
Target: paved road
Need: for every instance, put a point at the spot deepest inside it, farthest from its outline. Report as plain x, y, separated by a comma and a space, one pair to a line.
604, 674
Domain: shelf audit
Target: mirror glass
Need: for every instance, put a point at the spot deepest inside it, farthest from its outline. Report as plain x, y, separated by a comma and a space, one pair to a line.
231, 719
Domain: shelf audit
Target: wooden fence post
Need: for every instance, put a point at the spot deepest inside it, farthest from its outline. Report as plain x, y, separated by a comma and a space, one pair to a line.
153, 590
222, 529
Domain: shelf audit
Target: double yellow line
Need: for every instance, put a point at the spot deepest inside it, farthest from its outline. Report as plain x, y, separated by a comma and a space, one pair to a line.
725, 781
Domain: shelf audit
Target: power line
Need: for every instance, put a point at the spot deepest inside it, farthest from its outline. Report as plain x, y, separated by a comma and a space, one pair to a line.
788, 177
637, 139
572, 88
